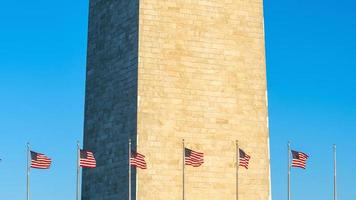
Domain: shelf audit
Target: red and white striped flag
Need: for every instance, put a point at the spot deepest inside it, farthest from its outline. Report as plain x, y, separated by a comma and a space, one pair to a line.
193, 158
299, 159
87, 159
40, 161
138, 160
244, 159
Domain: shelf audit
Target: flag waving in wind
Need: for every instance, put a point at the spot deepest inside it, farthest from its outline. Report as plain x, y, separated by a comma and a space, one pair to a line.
138, 160
40, 161
193, 158
87, 159
244, 159
299, 159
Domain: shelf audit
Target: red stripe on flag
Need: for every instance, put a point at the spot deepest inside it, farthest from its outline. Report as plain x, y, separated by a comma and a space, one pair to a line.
138, 160
87, 159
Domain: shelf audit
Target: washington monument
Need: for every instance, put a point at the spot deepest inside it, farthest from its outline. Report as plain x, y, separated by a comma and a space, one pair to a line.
160, 71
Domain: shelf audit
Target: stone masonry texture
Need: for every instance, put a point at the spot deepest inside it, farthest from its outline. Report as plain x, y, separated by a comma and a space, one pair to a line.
111, 97
160, 71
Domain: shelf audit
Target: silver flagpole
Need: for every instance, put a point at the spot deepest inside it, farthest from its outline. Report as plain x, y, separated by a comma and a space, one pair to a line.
129, 169
28, 172
335, 186
237, 168
183, 165
78, 168
289, 169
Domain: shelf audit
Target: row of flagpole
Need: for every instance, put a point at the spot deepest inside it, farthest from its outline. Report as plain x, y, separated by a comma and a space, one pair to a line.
295, 159
237, 164
29, 165
183, 169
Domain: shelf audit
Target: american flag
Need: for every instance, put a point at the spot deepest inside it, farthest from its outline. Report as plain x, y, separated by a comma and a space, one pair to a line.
193, 158
138, 160
40, 161
299, 159
87, 159
244, 159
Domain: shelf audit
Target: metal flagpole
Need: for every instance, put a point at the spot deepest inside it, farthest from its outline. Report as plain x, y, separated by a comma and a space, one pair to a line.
28, 172
183, 165
335, 188
78, 168
289, 169
237, 168
129, 155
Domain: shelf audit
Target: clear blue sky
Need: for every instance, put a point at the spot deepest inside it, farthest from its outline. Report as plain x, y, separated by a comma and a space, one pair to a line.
311, 61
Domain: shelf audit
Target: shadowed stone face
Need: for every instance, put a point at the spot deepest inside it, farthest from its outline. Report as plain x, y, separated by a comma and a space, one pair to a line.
111, 97
161, 71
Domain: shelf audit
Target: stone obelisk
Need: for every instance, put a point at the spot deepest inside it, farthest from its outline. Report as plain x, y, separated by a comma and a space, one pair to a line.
159, 71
